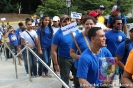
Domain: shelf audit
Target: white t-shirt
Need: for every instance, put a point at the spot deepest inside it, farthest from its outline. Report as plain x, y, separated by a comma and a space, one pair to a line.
98, 24
55, 29
27, 37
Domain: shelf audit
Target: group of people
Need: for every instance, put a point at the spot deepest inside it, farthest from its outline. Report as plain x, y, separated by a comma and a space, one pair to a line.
96, 48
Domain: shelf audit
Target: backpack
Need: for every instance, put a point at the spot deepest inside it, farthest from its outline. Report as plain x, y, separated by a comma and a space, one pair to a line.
112, 17
126, 46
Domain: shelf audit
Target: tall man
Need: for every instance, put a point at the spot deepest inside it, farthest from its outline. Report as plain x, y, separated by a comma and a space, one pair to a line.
116, 12
63, 43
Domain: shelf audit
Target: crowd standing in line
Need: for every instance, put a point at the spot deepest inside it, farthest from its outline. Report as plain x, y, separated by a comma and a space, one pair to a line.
87, 58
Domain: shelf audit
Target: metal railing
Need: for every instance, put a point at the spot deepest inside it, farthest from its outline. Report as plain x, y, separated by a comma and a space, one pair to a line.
37, 57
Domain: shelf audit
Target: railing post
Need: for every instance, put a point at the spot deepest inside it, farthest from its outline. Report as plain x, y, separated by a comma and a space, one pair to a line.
5, 50
1, 49
28, 60
15, 66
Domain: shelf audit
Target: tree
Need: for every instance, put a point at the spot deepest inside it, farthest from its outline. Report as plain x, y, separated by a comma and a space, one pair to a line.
58, 7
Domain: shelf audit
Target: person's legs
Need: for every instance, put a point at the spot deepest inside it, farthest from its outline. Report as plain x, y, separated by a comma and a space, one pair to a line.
34, 63
65, 65
45, 59
75, 81
40, 66
25, 61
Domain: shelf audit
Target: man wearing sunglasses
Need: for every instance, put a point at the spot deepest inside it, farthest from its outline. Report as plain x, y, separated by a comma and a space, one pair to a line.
116, 12
115, 36
100, 11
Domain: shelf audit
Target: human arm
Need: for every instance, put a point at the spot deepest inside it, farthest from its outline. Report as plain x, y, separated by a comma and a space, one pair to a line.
124, 25
73, 54
54, 56
85, 84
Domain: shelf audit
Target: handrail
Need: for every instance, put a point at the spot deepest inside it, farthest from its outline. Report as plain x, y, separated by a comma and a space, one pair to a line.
63, 83
37, 57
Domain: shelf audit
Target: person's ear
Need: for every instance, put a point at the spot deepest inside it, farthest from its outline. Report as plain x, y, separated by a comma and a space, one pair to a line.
92, 39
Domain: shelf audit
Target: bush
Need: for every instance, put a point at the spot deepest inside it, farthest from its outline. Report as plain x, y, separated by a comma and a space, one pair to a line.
130, 20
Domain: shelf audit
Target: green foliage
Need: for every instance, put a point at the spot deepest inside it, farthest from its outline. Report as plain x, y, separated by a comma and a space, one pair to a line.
58, 7
16, 7
5, 6
129, 20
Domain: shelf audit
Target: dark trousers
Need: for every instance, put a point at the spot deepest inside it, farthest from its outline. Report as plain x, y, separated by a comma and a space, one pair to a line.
65, 65
7, 52
76, 81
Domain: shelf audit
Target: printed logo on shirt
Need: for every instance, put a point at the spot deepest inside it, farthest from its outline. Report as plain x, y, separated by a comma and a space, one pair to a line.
13, 37
106, 67
119, 38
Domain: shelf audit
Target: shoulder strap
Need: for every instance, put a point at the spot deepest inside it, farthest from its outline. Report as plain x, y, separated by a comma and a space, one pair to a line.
86, 40
31, 37
126, 46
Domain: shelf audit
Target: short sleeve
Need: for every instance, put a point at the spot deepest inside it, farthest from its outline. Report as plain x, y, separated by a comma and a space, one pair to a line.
83, 67
36, 37
73, 46
109, 18
121, 49
38, 31
129, 64
56, 39
22, 35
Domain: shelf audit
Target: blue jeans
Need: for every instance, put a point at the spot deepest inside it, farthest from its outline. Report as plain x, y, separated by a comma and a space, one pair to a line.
46, 58
14, 49
33, 62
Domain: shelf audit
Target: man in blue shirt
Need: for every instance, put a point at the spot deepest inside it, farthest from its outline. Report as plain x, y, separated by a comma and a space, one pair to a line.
121, 52
90, 64
63, 43
115, 36
116, 12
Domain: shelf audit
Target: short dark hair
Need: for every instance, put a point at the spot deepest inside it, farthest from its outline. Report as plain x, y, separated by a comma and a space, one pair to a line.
116, 18
89, 18
20, 24
92, 32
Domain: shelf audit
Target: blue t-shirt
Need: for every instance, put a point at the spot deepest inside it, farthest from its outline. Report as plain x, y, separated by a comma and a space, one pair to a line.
18, 31
113, 39
124, 21
82, 45
88, 67
63, 42
121, 52
45, 39
13, 39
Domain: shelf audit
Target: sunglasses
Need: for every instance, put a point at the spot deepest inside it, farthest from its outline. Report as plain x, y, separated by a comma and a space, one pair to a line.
119, 23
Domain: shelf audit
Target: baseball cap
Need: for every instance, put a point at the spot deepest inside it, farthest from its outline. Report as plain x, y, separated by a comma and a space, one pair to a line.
115, 8
130, 27
101, 6
93, 14
56, 18
64, 17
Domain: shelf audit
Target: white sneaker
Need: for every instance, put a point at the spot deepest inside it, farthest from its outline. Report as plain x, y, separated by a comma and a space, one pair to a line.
27, 75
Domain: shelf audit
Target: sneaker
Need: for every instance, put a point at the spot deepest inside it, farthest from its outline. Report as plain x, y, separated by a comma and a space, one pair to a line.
27, 75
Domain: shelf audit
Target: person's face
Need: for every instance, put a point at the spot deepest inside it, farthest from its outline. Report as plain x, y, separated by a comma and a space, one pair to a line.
46, 21
29, 25
100, 38
12, 31
36, 26
65, 22
56, 23
100, 10
118, 24
21, 27
131, 34
88, 24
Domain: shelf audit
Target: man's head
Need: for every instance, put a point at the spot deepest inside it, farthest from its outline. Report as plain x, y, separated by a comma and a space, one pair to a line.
100, 9
64, 20
97, 36
131, 31
115, 10
21, 25
117, 23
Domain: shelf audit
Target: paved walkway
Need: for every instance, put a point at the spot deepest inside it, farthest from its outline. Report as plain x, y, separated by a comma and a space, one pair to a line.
8, 78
